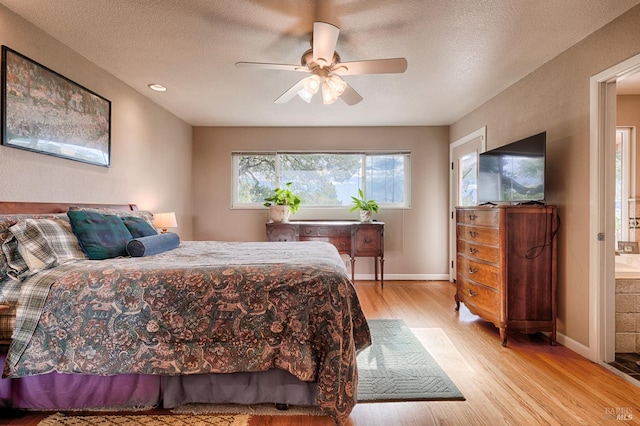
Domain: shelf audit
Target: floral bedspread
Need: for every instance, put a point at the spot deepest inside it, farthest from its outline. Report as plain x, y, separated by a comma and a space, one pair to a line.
206, 307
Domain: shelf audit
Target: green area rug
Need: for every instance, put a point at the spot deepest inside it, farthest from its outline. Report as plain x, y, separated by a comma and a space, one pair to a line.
396, 367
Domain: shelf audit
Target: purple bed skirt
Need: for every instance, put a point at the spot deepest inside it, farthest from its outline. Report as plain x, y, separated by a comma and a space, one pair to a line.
55, 391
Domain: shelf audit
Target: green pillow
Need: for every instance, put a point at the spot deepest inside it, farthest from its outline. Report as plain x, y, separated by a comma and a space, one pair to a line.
138, 227
101, 236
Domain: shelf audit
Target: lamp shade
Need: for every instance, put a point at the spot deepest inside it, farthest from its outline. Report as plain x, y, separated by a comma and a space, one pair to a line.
328, 96
337, 85
165, 220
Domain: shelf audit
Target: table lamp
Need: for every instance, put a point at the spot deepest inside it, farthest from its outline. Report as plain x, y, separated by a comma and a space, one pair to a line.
163, 221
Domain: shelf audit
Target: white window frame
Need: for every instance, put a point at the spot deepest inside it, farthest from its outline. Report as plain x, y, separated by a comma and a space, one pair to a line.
235, 204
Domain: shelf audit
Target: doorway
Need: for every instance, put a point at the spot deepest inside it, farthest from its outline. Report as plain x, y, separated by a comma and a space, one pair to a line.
603, 209
463, 178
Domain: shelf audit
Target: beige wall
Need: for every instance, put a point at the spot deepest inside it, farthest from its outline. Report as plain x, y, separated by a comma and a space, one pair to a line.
415, 239
628, 115
150, 148
555, 98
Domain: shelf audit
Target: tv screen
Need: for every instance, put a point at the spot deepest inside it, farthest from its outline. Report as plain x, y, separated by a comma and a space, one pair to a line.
513, 173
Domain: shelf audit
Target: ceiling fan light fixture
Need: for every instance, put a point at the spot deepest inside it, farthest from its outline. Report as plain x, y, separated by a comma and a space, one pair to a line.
312, 84
305, 95
324, 65
337, 85
328, 96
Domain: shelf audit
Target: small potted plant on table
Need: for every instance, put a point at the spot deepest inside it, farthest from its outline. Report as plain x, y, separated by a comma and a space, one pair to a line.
365, 206
282, 203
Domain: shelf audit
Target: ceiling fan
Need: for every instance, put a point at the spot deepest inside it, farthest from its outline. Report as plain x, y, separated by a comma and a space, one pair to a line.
323, 63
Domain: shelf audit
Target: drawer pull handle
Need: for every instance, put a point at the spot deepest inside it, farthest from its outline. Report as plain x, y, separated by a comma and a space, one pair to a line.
367, 240
472, 293
473, 250
472, 270
308, 231
473, 233
472, 216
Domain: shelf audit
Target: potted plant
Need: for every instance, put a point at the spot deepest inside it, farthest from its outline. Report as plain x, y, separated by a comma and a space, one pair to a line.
282, 203
365, 206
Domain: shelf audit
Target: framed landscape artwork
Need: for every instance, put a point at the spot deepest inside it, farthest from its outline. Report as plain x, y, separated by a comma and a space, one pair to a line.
44, 112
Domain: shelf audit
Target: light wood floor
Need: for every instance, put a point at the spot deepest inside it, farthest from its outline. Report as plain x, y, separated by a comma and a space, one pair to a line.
529, 382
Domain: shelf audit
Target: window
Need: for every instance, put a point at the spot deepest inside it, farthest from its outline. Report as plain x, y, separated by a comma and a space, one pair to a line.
468, 170
623, 167
322, 179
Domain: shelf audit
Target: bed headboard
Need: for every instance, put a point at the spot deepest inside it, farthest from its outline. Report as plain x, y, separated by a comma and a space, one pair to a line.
21, 207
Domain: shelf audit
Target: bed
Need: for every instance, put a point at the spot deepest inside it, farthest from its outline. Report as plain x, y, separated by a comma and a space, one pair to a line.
216, 322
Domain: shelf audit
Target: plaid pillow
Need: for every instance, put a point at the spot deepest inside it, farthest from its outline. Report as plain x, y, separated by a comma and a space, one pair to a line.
33, 263
138, 227
16, 265
101, 236
10, 291
146, 215
6, 222
49, 242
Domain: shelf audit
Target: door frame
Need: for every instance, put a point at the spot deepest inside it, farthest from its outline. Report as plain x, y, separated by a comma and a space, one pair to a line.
601, 346
453, 195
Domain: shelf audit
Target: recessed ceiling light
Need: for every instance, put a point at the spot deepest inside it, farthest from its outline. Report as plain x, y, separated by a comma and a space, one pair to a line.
157, 87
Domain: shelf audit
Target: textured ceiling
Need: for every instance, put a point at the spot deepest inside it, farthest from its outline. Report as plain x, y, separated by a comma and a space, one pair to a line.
460, 52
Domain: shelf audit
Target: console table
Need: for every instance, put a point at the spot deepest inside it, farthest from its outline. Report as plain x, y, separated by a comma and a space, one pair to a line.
356, 239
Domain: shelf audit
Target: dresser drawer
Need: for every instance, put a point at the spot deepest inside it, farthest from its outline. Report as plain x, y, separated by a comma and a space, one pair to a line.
477, 251
479, 297
325, 231
482, 217
479, 272
283, 232
478, 234
368, 241
343, 244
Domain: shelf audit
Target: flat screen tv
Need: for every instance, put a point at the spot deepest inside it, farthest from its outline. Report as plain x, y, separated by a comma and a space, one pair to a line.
513, 173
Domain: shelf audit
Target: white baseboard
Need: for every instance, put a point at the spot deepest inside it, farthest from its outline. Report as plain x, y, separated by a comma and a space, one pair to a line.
576, 347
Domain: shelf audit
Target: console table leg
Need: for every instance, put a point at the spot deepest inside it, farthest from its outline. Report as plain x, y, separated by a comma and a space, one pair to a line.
375, 268
381, 272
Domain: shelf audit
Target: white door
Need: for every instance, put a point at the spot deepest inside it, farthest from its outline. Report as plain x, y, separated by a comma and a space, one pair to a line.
463, 179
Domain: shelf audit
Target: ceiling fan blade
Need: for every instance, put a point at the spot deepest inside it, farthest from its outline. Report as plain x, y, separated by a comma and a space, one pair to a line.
350, 96
282, 67
325, 37
376, 66
291, 93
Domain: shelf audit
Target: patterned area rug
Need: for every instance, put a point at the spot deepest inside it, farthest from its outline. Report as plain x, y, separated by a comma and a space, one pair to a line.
253, 410
59, 419
396, 367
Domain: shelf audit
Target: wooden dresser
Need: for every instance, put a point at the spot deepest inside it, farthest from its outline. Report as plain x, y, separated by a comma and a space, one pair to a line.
355, 239
506, 266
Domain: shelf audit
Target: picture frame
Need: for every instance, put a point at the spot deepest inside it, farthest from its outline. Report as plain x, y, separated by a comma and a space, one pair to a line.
628, 247
45, 112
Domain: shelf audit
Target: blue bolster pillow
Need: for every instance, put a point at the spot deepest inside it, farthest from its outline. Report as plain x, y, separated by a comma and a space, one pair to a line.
153, 244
